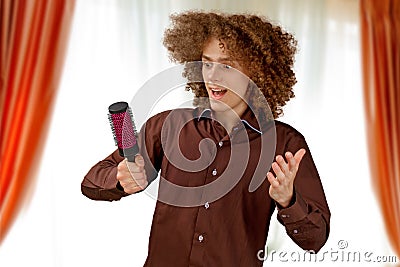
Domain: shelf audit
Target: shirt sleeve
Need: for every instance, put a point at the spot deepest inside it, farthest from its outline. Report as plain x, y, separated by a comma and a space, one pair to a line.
101, 183
307, 219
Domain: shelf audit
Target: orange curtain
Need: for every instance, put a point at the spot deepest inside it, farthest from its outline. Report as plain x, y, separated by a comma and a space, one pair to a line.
32, 47
380, 33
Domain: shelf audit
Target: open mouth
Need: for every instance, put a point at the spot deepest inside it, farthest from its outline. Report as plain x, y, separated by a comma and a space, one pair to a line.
218, 93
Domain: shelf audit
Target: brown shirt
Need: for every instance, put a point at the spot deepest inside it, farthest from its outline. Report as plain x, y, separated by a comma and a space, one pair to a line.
220, 214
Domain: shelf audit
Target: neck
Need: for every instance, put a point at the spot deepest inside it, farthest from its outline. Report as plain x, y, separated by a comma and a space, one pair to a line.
229, 118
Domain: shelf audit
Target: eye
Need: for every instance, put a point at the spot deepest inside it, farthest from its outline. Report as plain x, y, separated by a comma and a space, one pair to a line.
228, 67
207, 64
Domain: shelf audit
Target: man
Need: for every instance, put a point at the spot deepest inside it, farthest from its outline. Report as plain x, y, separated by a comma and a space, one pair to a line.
218, 188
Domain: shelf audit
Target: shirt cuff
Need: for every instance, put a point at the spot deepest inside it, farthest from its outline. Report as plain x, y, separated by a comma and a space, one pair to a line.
295, 212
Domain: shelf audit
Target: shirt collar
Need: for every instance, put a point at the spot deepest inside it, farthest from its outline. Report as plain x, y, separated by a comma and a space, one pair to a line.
203, 113
248, 118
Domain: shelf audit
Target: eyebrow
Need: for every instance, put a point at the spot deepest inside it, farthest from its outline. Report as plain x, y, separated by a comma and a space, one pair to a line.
220, 59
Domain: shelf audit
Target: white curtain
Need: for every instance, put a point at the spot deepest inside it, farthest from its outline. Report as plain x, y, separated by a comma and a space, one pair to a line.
115, 47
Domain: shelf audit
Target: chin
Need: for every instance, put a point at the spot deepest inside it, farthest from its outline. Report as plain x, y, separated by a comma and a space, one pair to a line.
220, 107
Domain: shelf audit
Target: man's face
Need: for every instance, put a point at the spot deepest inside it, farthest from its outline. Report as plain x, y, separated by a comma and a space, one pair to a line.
224, 79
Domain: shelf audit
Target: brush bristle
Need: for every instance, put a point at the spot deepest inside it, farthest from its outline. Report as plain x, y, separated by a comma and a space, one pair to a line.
123, 128
112, 128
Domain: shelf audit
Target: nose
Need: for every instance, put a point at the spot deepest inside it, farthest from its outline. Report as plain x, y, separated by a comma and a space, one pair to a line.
212, 72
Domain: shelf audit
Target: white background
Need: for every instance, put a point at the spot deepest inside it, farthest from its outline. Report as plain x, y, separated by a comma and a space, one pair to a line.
115, 47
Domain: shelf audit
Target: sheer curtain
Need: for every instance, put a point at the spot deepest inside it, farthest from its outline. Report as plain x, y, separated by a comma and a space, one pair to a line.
115, 47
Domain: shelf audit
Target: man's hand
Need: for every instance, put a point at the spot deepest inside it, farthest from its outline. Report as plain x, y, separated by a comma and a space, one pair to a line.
281, 189
132, 175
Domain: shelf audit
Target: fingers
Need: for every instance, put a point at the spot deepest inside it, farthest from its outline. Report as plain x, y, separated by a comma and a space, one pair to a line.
132, 175
287, 169
137, 166
294, 161
281, 189
293, 165
133, 187
279, 170
139, 160
282, 164
272, 180
299, 155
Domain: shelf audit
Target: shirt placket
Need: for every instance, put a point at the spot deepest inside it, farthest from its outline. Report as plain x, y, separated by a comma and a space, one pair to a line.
202, 237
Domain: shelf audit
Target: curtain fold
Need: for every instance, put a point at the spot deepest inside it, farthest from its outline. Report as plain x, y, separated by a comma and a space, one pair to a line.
33, 43
380, 32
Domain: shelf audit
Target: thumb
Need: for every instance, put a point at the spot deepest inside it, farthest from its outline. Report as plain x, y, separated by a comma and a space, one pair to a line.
299, 155
139, 160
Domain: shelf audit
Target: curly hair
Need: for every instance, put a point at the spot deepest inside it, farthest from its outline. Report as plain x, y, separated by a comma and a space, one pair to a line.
265, 50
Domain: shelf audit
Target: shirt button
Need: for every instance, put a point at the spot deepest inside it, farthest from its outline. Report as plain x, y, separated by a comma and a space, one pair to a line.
220, 143
214, 172
201, 238
295, 231
207, 205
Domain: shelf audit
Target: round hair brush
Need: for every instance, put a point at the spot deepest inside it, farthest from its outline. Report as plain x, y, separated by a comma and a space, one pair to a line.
123, 129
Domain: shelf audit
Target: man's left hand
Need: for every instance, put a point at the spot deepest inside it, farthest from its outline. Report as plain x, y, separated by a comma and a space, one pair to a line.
281, 189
